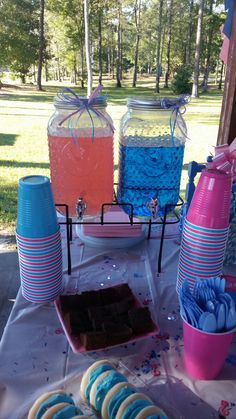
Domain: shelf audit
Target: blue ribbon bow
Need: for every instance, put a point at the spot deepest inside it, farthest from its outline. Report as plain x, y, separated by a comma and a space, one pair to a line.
178, 109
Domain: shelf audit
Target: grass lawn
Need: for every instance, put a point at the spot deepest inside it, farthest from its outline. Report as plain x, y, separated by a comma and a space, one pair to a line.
24, 114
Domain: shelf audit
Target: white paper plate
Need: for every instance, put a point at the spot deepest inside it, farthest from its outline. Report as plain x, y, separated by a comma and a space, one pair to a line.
110, 242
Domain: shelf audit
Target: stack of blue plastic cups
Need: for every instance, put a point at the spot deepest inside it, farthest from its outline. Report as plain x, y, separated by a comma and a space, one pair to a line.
38, 240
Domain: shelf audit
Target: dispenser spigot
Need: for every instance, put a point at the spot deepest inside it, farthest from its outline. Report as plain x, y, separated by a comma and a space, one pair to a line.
153, 207
80, 208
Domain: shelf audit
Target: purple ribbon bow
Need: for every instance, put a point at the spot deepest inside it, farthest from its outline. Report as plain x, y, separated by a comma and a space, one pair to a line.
69, 97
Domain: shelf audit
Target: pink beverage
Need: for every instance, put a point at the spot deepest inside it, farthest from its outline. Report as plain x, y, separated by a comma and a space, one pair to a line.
80, 139
81, 168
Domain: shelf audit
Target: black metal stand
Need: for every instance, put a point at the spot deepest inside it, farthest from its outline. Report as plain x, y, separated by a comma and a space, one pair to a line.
69, 222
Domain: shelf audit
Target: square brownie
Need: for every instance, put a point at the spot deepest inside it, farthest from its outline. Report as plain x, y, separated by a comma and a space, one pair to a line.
140, 320
93, 340
79, 322
118, 334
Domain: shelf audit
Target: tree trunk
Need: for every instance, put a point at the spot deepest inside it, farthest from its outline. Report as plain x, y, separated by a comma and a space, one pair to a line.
221, 75
137, 12
34, 74
189, 35
111, 57
163, 35
58, 71
82, 65
22, 77
136, 62
87, 49
75, 69
41, 46
109, 60
195, 89
169, 24
113, 64
217, 71
208, 52
46, 70
158, 63
100, 46
119, 49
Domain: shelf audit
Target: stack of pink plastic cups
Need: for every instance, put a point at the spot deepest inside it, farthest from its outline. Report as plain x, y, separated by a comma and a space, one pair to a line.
38, 240
205, 229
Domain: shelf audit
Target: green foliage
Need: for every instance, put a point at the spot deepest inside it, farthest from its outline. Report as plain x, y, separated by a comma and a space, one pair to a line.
18, 35
64, 35
181, 82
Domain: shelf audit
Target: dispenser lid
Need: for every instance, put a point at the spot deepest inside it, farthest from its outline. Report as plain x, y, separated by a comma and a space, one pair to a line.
162, 103
80, 102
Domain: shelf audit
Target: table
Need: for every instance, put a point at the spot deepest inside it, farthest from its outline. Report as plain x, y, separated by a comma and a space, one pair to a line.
35, 356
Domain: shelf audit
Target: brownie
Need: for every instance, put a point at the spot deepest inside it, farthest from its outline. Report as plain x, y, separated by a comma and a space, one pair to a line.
121, 319
140, 320
70, 302
92, 298
109, 295
124, 305
97, 315
93, 340
80, 322
97, 312
105, 317
118, 334
124, 292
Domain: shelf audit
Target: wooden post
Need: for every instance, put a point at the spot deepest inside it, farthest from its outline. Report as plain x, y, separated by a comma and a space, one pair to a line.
227, 127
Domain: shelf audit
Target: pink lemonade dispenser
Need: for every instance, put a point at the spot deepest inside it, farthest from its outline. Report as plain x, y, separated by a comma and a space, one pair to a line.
80, 140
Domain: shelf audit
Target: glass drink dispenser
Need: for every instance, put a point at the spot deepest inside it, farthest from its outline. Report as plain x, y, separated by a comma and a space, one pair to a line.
80, 140
151, 150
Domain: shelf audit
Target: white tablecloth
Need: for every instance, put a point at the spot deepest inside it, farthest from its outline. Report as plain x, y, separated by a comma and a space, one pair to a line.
35, 356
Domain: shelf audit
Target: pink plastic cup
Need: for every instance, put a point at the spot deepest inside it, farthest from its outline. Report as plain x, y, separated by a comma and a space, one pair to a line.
204, 353
210, 204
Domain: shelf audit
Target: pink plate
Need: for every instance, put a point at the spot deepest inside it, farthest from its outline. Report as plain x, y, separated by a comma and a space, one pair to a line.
74, 341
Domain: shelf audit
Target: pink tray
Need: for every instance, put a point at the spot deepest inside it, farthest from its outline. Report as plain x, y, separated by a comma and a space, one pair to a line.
74, 341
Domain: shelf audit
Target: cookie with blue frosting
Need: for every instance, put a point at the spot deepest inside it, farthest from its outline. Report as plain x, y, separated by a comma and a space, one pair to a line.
151, 412
90, 376
102, 385
132, 406
54, 405
114, 397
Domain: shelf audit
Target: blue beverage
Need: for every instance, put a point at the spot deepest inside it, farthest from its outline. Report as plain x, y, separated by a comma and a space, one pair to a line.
149, 168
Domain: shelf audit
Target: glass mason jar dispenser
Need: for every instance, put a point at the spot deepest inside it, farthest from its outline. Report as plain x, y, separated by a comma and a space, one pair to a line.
151, 150
80, 140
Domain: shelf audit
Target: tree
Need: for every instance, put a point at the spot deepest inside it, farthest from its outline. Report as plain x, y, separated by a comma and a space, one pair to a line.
169, 25
137, 12
19, 35
119, 47
100, 45
195, 89
120, 40
158, 62
213, 42
87, 49
41, 45
189, 34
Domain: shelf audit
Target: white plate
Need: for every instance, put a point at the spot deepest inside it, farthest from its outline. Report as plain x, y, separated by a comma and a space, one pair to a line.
110, 242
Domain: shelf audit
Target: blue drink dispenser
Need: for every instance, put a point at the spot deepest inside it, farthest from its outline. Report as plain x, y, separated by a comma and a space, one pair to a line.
151, 151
